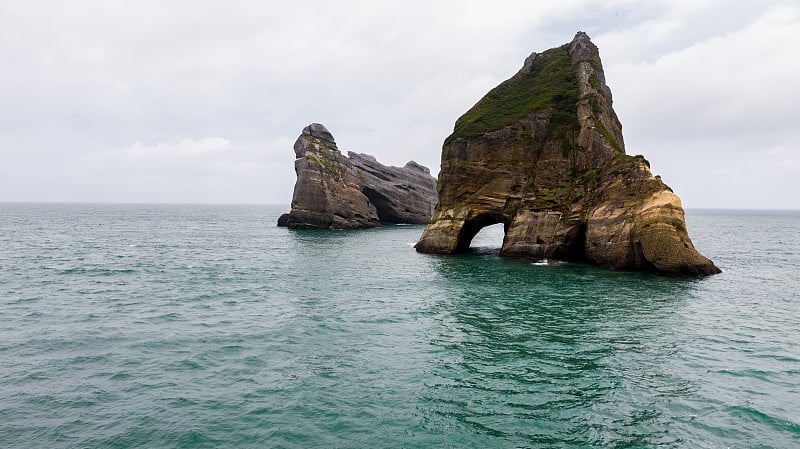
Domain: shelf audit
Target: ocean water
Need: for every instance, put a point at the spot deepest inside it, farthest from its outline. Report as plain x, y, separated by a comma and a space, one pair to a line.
207, 326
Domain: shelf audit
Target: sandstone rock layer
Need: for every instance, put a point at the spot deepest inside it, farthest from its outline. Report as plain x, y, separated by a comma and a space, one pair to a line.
334, 191
543, 153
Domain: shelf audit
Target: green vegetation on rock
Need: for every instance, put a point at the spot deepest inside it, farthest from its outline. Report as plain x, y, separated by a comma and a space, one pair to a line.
333, 169
550, 84
607, 135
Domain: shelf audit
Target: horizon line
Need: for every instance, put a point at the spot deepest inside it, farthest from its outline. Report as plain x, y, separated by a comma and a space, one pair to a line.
191, 203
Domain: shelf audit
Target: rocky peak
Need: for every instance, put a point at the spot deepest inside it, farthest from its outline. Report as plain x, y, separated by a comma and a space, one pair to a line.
582, 49
314, 137
413, 165
319, 131
528, 64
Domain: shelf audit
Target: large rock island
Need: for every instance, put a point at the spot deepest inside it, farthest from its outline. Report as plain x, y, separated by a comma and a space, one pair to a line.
543, 154
334, 191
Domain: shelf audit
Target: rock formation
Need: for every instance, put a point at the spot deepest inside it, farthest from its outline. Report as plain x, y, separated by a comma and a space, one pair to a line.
543, 154
334, 191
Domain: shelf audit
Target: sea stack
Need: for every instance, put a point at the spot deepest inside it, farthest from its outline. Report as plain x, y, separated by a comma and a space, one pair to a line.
334, 191
543, 154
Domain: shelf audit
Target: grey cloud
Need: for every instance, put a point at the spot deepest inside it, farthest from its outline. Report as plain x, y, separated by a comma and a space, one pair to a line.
82, 81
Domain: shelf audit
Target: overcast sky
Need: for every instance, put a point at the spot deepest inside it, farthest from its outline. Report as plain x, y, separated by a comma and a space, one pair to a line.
201, 101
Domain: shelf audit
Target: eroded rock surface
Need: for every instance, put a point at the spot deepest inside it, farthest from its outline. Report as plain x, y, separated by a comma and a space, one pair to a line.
543, 154
334, 191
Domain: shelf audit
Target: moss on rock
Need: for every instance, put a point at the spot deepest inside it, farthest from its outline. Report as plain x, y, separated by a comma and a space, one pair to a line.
550, 84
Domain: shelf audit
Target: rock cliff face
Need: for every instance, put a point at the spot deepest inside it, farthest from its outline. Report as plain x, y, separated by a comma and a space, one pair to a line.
334, 191
543, 154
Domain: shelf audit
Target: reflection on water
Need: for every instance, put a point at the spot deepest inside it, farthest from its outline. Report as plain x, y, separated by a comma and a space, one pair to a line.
548, 354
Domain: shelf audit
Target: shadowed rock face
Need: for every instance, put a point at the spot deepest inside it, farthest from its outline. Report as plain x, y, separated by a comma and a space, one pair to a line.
543, 154
334, 191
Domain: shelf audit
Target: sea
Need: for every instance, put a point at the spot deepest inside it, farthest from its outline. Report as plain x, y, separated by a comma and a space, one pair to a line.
207, 326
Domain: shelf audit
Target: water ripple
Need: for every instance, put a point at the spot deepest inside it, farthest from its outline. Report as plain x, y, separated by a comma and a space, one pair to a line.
207, 326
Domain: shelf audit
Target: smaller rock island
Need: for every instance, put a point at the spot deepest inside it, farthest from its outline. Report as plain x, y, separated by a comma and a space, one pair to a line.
334, 191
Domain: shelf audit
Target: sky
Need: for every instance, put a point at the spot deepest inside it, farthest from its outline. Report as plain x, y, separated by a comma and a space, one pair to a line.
201, 101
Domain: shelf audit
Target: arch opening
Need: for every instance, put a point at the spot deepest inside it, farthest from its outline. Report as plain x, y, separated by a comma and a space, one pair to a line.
489, 239
383, 206
492, 238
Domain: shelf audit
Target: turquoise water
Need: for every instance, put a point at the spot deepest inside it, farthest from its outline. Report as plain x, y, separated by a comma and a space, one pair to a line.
207, 326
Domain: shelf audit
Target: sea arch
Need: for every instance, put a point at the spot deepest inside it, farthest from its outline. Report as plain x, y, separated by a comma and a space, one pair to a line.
473, 226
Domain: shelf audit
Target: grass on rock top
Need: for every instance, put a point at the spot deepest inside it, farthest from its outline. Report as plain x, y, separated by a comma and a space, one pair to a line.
550, 84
